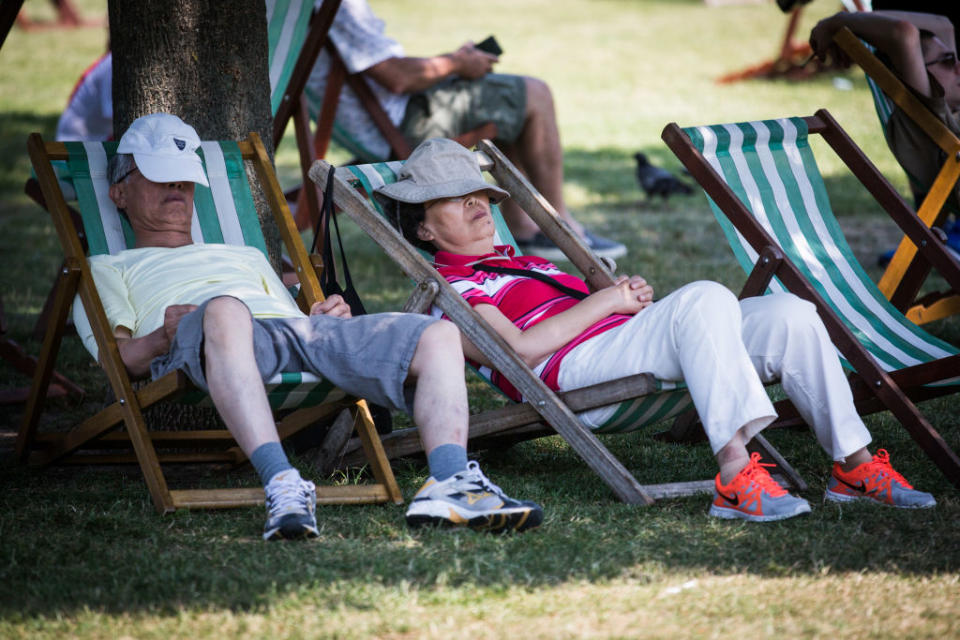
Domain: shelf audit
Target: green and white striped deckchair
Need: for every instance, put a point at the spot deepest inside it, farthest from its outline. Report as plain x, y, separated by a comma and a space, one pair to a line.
224, 212
767, 193
643, 400
288, 22
671, 398
890, 93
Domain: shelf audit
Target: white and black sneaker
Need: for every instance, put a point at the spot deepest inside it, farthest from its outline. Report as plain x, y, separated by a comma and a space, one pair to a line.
291, 507
469, 499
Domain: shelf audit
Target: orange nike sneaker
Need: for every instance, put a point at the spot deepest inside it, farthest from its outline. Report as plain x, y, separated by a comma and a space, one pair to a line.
878, 481
755, 496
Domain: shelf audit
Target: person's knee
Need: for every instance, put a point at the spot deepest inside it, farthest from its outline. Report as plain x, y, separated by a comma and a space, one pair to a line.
539, 96
705, 305
711, 296
442, 335
439, 343
790, 310
223, 316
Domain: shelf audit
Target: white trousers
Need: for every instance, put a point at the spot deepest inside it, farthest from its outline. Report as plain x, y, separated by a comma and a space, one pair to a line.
725, 349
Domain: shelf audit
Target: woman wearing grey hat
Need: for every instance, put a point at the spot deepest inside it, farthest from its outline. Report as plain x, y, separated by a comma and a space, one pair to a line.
724, 349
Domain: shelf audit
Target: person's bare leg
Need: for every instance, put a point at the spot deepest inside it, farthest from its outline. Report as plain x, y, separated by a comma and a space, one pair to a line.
440, 399
856, 459
538, 154
732, 457
232, 375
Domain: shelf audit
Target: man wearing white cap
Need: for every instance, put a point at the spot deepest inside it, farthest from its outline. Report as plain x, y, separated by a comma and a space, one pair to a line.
220, 314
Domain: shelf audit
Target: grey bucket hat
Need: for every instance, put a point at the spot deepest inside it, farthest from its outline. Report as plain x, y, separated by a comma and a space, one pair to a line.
438, 168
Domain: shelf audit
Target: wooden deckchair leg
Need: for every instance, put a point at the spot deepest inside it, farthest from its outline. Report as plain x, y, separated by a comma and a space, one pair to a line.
373, 448
685, 428
308, 200
919, 428
334, 442
924, 312
767, 450
66, 288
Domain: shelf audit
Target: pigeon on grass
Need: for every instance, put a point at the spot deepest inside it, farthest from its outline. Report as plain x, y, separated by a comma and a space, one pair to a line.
656, 181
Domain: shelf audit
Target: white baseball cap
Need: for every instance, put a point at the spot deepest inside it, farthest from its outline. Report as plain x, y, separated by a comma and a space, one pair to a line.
164, 148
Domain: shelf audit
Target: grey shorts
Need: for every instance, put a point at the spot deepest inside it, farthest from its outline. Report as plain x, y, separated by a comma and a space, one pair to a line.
367, 356
458, 105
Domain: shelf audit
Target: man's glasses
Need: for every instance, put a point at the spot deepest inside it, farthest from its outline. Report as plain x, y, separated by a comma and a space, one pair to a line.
127, 174
948, 60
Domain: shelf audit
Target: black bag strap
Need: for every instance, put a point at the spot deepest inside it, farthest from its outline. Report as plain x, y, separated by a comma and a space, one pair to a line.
328, 282
328, 278
536, 275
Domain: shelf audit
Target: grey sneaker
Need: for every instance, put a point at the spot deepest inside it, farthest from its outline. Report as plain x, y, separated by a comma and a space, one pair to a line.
605, 247
876, 481
542, 246
469, 499
755, 496
291, 507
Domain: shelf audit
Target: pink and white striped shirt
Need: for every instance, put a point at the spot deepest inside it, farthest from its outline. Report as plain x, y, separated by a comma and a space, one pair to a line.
525, 301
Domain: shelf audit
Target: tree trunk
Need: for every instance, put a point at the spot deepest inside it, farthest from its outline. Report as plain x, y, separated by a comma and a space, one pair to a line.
202, 60
206, 62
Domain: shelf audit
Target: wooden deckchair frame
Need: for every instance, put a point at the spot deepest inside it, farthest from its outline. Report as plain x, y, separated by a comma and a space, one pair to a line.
127, 409
543, 406
873, 388
903, 277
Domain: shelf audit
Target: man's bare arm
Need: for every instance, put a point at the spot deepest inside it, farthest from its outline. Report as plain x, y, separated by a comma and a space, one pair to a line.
939, 25
895, 33
406, 75
137, 353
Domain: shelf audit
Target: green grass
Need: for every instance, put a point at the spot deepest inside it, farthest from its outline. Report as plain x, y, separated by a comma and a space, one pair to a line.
82, 553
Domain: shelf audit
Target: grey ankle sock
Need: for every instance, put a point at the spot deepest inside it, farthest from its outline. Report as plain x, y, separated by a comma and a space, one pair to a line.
269, 460
446, 460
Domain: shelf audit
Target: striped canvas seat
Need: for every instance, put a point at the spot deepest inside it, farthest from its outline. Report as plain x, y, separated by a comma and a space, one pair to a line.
288, 22
632, 414
224, 212
771, 168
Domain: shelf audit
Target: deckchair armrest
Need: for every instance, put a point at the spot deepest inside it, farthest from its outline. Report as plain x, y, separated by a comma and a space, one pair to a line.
763, 271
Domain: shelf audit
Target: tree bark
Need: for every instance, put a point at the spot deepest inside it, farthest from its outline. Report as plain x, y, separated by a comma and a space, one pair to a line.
202, 60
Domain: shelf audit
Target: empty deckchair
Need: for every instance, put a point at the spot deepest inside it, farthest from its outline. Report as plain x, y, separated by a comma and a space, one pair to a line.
643, 400
903, 277
767, 193
224, 213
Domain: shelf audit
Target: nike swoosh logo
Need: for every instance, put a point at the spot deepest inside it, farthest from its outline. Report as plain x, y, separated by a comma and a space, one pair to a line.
733, 499
860, 486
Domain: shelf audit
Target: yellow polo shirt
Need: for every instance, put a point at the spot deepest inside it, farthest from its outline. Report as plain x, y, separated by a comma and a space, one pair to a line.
137, 285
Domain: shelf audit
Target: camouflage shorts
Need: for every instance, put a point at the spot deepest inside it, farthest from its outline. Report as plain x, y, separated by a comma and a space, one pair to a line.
458, 105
